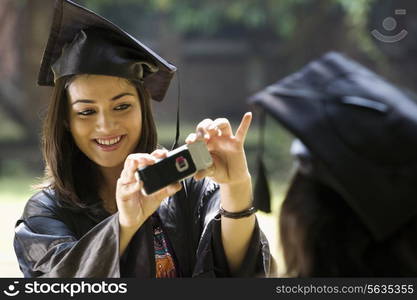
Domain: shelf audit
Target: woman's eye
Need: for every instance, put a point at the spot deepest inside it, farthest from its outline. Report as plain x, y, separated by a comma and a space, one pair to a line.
122, 106
86, 112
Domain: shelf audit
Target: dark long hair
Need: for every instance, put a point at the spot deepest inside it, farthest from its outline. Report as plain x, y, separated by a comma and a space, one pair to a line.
67, 169
323, 237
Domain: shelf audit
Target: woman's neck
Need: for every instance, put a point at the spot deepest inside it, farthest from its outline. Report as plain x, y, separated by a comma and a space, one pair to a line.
108, 187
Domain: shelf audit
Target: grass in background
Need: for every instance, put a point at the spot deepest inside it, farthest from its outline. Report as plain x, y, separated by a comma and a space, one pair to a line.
15, 189
10, 130
16, 181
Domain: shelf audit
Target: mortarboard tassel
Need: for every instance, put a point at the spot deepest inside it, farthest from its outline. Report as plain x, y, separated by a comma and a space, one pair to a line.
177, 131
262, 194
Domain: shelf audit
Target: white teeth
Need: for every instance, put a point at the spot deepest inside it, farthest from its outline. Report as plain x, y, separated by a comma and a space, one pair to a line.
109, 142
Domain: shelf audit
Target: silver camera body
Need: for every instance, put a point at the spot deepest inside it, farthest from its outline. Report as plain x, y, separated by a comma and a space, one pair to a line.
181, 163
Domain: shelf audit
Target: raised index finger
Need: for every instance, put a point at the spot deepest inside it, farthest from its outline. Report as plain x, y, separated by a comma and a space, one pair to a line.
244, 126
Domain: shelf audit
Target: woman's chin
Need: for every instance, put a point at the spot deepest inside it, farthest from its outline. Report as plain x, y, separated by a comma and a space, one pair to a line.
108, 164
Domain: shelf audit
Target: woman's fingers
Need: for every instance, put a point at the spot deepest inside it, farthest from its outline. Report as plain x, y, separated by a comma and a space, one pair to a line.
128, 173
244, 127
132, 163
208, 128
164, 192
222, 126
191, 138
129, 184
142, 158
160, 153
171, 189
202, 129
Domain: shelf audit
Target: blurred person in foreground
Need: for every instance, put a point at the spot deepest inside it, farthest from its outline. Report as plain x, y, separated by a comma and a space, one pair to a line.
351, 207
92, 218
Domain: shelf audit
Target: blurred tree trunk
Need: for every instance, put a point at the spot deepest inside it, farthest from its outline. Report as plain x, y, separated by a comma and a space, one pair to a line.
319, 28
24, 27
11, 100
9, 15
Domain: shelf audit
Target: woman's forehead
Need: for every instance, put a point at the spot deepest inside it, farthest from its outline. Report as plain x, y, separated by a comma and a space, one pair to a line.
93, 86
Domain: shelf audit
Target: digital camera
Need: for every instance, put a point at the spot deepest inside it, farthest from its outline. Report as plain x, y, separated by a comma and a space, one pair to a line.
180, 164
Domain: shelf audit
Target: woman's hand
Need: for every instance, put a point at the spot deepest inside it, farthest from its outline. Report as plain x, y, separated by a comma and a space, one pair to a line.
227, 149
133, 205
230, 170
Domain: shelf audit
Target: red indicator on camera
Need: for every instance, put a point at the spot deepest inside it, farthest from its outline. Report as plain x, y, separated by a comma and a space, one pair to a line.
181, 164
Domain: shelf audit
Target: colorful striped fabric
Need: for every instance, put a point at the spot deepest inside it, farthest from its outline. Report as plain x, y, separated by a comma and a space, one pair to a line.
164, 262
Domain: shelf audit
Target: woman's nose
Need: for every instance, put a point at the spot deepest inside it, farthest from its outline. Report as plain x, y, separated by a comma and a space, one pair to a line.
105, 122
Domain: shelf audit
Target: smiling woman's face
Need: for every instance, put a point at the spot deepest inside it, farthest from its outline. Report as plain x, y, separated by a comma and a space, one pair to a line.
104, 118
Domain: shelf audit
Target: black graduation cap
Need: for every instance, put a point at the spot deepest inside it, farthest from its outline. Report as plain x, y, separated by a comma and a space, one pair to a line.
81, 42
361, 132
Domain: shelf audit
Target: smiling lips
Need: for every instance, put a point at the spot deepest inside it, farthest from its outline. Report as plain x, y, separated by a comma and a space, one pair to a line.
109, 143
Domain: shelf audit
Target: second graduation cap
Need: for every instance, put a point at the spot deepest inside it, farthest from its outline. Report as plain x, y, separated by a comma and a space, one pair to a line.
361, 129
82, 42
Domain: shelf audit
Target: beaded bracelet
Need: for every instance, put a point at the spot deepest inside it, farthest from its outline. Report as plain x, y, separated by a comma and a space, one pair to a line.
237, 215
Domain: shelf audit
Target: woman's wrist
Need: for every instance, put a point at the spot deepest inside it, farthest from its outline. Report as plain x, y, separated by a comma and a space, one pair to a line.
126, 230
236, 184
237, 196
237, 215
129, 225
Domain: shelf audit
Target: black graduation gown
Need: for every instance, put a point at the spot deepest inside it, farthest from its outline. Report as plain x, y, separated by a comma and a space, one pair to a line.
52, 241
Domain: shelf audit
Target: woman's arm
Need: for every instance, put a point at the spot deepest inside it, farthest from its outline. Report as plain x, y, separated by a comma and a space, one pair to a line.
230, 171
126, 235
236, 233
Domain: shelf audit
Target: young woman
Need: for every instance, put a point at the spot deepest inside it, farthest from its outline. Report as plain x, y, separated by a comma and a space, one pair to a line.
92, 218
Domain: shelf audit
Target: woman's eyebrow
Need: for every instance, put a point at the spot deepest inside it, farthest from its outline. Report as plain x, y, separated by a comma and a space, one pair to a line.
120, 96
112, 99
82, 101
